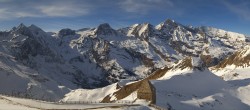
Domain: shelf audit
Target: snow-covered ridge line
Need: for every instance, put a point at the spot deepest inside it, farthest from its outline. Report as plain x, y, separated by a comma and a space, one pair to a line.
50, 65
217, 31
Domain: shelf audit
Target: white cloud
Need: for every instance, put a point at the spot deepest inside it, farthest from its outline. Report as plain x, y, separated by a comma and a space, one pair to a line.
60, 8
242, 9
9, 14
2, 13
64, 10
144, 6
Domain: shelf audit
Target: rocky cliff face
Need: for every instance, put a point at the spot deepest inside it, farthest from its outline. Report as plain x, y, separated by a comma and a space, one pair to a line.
240, 58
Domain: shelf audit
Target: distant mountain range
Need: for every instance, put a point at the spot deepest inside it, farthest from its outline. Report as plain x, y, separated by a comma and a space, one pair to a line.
44, 65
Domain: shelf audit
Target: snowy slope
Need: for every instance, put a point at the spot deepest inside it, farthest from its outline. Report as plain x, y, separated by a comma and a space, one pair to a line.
187, 85
196, 90
235, 70
11, 103
190, 88
26, 59
89, 94
185, 88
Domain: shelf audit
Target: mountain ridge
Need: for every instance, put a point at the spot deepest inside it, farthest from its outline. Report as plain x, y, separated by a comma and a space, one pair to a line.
96, 57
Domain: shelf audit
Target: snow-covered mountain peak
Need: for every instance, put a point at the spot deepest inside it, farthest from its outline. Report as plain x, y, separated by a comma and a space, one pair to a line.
104, 26
168, 22
105, 30
21, 25
22, 32
231, 36
66, 32
21, 29
135, 25
146, 30
38, 32
34, 28
142, 31
166, 25
91, 58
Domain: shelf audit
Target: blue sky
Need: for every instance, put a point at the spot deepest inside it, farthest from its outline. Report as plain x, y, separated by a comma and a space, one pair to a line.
52, 15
